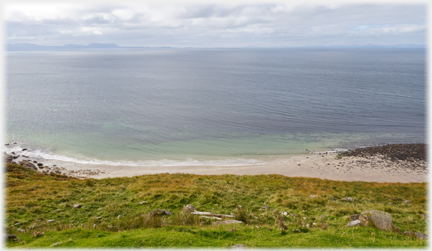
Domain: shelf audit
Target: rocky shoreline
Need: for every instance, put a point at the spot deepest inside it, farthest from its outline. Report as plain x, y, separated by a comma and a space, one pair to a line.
21, 159
383, 163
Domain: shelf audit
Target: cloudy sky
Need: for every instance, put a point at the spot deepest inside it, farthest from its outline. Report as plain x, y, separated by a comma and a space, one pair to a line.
214, 24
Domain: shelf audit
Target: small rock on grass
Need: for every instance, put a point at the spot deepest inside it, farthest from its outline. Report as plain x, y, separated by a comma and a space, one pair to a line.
236, 246
50, 221
354, 223
77, 206
189, 208
417, 235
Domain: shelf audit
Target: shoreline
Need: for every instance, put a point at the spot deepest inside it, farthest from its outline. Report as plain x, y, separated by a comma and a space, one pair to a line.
324, 165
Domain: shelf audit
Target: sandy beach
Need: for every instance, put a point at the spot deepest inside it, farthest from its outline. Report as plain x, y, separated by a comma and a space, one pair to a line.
325, 165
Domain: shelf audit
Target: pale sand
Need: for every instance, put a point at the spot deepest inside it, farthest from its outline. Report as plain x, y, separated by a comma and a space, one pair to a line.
314, 165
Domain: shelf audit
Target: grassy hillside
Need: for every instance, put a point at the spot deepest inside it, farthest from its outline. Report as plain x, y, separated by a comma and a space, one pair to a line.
33, 198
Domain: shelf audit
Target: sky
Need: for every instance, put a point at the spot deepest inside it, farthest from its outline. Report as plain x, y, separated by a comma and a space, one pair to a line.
215, 24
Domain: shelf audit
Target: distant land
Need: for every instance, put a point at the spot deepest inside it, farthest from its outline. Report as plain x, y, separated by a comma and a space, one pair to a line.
110, 46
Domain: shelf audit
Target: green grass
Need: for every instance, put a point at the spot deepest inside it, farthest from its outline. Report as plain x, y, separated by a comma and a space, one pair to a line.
35, 198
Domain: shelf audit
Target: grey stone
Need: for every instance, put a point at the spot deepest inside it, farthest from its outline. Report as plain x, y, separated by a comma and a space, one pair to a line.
349, 199
77, 206
189, 208
379, 219
160, 212
236, 246
50, 221
216, 223
417, 235
27, 165
354, 223
20, 230
265, 207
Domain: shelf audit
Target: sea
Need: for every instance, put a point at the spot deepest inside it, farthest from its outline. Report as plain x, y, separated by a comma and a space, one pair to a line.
229, 107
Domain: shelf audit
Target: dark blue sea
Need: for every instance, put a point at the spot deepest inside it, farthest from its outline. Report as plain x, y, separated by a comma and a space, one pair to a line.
211, 106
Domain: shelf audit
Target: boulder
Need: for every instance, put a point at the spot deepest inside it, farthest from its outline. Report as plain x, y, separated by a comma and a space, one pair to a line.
379, 219
28, 165
8, 158
160, 212
354, 223
225, 222
417, 235
189, 208
12, 237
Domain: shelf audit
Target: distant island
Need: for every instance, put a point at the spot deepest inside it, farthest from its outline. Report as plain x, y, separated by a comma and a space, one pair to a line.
97, 46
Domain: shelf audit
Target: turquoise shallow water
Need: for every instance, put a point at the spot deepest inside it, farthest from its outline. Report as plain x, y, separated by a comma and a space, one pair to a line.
178, 106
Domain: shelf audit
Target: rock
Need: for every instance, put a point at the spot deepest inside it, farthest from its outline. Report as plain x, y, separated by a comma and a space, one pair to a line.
99, 218
285, 213
349, 199
50, 221
354, 217
189, 208
160, 212
238, 246
225, 222
323, 216
417, 235
379, 219
20, 230
39, 165
24, 149
12, 237
143, 202
407, 202
304, 218
354, 223
313, 196
7, 158
34, 161
55, 244
77, 206
265, 207
118, 217
28, 165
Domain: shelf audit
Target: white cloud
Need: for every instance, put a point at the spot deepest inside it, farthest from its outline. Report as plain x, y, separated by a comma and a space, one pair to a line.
205, 24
